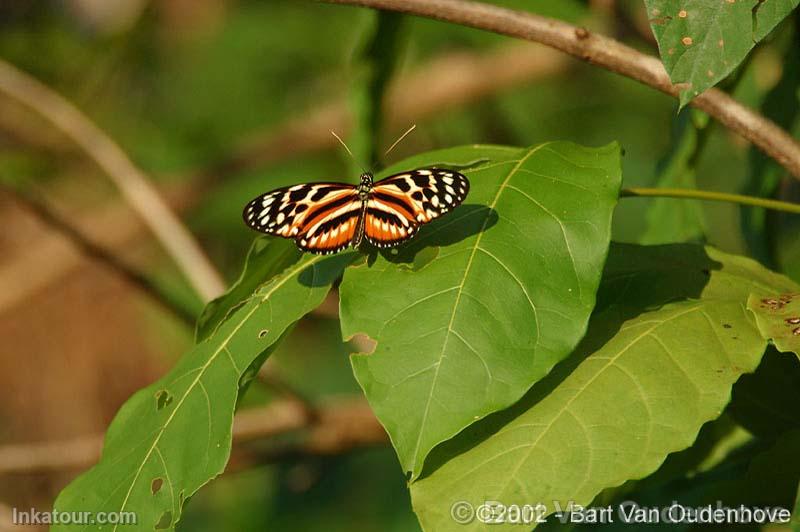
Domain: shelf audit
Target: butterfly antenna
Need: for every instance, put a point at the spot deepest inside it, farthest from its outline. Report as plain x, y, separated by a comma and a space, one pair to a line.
348, 150
404, 135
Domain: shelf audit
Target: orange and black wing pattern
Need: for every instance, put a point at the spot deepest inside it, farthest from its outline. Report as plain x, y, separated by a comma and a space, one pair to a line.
321, 217
400, 203
328, 217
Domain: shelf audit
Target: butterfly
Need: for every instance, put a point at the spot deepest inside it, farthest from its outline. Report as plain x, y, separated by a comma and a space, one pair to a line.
325, 218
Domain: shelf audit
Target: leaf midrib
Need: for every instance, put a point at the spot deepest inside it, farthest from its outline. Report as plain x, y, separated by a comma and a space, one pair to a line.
458, 300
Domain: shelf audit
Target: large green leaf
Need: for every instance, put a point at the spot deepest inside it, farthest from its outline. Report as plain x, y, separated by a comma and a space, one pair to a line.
641, 384
702, 42
465, 331
175, 435
778, 318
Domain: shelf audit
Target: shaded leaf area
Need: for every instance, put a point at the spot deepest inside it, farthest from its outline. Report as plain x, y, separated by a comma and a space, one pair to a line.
506, 296
700, 43
670, 220
765, 403
649, 373
778, 318
172, 437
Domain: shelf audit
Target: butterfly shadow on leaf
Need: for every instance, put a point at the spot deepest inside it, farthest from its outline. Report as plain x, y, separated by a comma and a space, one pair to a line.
466, 221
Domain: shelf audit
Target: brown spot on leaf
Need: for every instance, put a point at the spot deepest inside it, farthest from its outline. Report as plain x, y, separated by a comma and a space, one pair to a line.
793, 321
710, 73
687, 41
682, 13
796, 331
727, 325
721, 43
155, 485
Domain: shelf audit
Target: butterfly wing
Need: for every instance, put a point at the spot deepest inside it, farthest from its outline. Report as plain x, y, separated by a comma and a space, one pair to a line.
400, 203
321, 217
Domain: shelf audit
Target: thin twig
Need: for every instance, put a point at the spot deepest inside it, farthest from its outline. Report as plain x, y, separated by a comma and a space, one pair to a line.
131, 181
707, 195
606, 53
36, 205
342, 424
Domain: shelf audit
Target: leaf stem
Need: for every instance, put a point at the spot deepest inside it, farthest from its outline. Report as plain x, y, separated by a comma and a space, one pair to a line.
707, 195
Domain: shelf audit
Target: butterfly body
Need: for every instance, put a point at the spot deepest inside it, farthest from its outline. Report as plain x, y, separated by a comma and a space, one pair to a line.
328, 217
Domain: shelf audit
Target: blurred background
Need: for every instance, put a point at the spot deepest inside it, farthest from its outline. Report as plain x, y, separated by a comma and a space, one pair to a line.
217, 101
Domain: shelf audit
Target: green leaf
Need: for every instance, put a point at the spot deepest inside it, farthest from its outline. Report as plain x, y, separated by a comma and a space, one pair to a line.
670, 220
172, 437
267, 258
702, 42
778, 318
507, 296
643, 381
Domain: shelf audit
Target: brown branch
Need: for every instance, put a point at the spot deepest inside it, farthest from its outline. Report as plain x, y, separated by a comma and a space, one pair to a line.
606, 53
131, 181
37, 206
343, 424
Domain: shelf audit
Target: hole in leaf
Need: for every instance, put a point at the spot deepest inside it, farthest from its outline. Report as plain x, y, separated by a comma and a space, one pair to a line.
155, 485
363, 344
796, 331
164, 521
727, 325
262, 333
163, 398
793, 321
